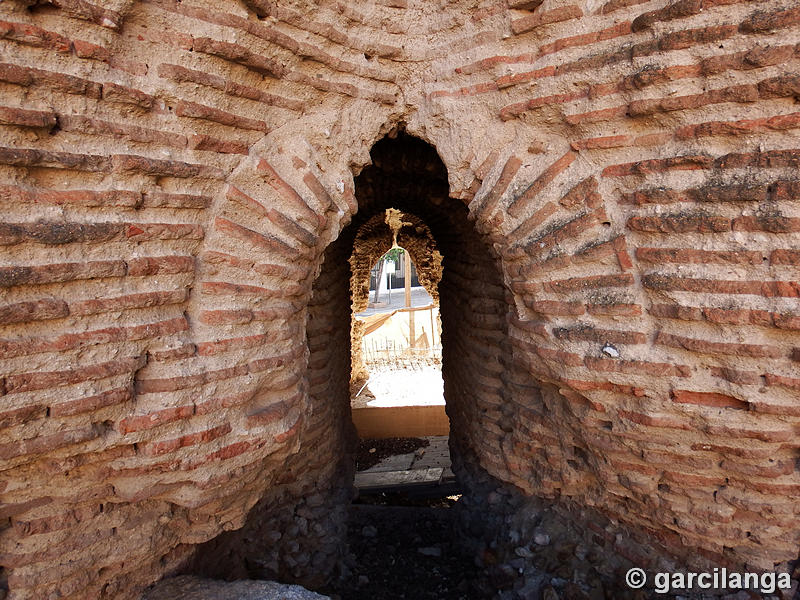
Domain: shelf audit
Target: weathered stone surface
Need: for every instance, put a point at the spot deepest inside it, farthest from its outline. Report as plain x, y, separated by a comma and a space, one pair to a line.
188, 587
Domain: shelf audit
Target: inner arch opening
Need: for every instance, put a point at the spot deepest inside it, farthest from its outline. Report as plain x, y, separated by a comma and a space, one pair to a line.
396, 330
407, 174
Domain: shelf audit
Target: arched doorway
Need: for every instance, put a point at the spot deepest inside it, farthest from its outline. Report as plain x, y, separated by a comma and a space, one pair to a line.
408, 175
296, 532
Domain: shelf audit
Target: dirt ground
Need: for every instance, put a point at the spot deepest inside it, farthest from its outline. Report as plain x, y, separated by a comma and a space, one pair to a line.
371, 452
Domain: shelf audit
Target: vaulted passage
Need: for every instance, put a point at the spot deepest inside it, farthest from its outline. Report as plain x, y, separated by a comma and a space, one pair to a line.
296, 533
406, 174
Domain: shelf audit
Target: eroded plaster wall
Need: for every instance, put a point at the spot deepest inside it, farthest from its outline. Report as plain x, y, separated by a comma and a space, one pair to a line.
172, 173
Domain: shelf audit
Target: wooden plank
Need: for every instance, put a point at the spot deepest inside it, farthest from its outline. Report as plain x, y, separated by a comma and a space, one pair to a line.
390, 479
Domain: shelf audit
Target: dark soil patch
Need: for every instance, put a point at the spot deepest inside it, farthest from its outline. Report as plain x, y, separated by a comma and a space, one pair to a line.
399, 552
371, 452
408, 498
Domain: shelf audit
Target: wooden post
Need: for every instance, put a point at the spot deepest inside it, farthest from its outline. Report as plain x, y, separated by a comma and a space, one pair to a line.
378, 279
407, 276
412, 334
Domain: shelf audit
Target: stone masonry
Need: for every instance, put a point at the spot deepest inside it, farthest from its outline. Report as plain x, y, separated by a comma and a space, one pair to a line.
191, 192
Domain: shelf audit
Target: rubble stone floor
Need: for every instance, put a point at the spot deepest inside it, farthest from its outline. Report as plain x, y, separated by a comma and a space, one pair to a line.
401, 531
405, 552
402, 545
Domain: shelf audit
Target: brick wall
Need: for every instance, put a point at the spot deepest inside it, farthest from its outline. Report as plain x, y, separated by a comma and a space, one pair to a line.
617, 175
297, 530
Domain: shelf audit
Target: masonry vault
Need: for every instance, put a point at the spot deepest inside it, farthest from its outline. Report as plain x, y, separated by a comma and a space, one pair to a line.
612, 186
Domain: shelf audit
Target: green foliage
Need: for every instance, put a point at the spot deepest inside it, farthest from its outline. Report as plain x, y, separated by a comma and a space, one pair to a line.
394, 255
